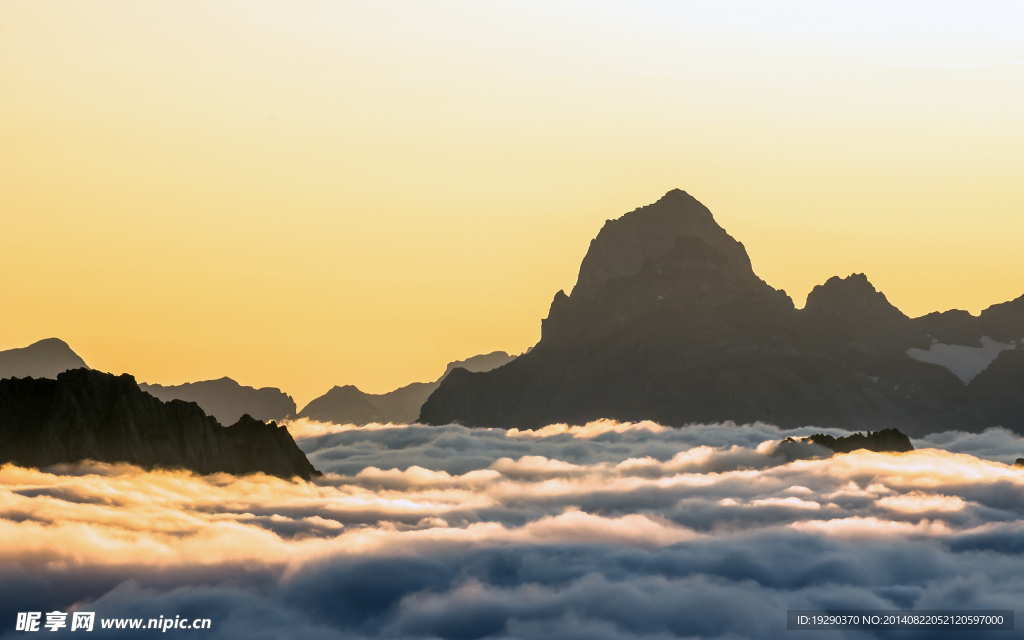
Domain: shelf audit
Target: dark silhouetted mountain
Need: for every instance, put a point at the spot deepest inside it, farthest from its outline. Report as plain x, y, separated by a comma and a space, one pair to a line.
343, 405
849, 314
668, 322
953, 327
43, 359
88, 415
1019, 462
886, 440
349, 405
227, 401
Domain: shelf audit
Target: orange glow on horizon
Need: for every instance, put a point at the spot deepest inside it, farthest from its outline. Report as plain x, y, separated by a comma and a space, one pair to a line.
311, 194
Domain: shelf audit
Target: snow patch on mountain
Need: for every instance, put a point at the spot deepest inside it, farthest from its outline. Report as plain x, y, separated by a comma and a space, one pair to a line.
964, 362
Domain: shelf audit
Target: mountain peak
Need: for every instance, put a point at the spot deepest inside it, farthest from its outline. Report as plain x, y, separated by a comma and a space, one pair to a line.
669, 323
43, 359
851, 297
55, 343
851, 312
343, 405
626, 244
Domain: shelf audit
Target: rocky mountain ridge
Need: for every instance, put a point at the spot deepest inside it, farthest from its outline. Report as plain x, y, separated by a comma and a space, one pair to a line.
89, 415
669, 322
349, 405
227, 400
886, 440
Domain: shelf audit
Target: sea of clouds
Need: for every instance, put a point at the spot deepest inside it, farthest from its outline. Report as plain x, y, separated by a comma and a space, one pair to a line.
602, 531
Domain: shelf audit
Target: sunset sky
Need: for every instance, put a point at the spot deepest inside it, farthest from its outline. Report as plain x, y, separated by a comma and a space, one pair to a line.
302, 194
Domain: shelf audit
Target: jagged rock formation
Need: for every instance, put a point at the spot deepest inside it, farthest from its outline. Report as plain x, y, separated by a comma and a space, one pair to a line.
86, 414
43, 359
669, 322
349, 405
886, 440
227, 401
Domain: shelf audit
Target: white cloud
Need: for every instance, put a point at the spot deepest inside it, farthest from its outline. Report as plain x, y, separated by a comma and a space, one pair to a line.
452, 532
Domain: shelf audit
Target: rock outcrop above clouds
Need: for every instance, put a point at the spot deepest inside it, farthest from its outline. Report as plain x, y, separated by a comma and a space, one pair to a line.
43, 359
228, 401
886, 440
668, 322
89, 415
349, 405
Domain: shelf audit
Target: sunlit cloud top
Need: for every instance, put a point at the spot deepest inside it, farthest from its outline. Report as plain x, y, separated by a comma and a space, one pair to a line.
606, 508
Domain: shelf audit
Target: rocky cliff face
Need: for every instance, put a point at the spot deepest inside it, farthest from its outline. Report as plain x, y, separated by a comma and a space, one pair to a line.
848, 314
625, 246
43, 359
668, 322
228, 401
86, 414
349, 405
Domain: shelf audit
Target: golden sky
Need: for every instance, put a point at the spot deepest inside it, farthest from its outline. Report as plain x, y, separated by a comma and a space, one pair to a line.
303, 194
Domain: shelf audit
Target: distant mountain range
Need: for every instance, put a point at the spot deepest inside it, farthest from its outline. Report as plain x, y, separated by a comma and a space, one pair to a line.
227, 401
89, 415
224, 399
669, 322
349, 405
43, 359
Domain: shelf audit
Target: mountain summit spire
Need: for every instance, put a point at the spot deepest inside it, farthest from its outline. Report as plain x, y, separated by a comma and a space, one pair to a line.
624, 245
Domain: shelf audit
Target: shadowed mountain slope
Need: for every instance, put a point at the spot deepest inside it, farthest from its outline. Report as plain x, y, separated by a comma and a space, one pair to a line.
668, 322
88, 415
43, 359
